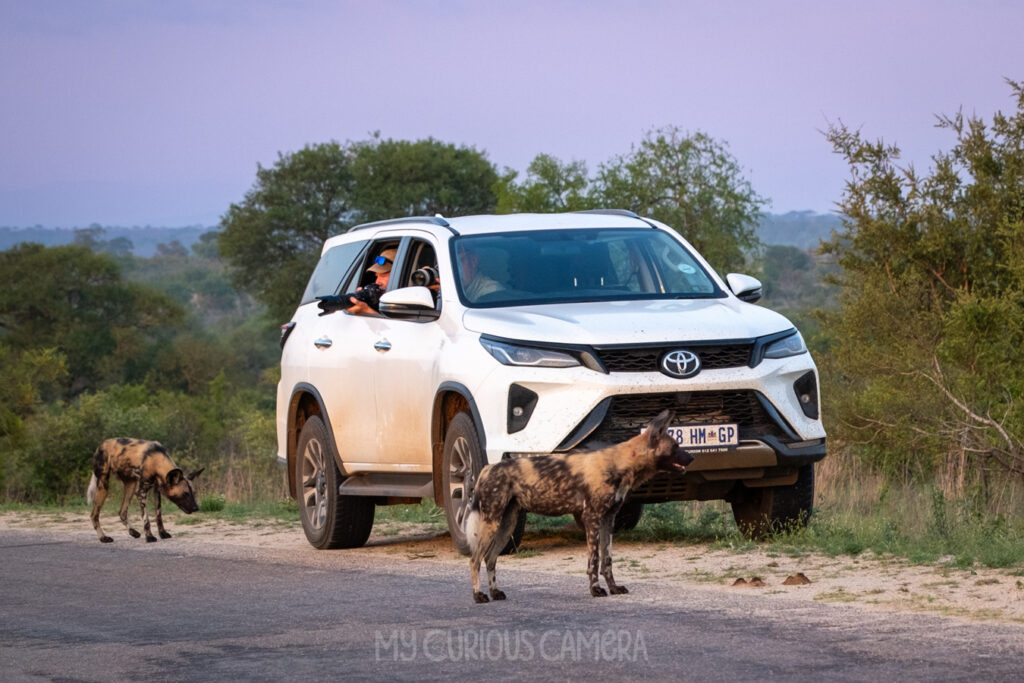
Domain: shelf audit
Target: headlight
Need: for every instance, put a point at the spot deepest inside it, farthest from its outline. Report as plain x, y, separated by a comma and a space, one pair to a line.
511, 354
793, 345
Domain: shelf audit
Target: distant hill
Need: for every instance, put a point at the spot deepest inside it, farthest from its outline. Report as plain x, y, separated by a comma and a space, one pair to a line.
802, 229
144, 240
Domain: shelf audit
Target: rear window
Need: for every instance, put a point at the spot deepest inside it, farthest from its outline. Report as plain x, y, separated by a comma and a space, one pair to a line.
557, 266
330, 272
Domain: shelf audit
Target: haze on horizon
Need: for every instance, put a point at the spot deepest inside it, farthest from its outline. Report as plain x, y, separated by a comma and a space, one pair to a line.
125, 113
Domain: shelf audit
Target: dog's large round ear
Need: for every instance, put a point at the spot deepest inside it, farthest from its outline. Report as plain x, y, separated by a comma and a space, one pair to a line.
175, 476
659, 424
195, 474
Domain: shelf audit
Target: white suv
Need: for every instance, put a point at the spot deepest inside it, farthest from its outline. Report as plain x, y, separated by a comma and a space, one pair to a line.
501, 336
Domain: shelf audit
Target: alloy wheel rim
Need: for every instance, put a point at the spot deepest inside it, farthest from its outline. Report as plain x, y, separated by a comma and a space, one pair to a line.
460, 479
314, 484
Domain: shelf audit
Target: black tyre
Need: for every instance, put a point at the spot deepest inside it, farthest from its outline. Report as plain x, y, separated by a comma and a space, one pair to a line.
761, 512
329, 520
461, 462
628, 515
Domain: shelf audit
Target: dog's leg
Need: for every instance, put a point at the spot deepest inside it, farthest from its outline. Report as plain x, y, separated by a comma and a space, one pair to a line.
159, 516
497, 544
592, 527
129, 491
480, 552
474, 575
607, 524
492, 563
100, 497
146, 527
477, 534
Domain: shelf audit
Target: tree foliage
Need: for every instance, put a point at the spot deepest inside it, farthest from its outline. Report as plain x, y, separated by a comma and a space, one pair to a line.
420, 178
75, 301
691, 183
273, 237
550, 186
928, 347
201, 383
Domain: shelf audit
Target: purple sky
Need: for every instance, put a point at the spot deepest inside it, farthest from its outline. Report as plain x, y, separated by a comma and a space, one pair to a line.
137, 112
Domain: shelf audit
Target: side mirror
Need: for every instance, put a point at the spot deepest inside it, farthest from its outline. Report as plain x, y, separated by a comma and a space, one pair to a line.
409, 303
745, 288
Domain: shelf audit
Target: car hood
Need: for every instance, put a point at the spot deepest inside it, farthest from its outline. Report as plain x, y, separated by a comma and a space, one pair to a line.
628, 322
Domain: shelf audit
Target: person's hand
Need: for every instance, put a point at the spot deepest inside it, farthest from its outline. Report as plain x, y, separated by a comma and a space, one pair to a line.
360, 308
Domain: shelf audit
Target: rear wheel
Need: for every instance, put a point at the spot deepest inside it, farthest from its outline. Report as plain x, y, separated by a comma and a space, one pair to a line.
329, 520
461, 462
760, 512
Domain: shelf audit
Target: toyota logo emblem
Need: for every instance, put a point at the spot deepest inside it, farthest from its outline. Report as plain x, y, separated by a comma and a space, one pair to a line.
680, 363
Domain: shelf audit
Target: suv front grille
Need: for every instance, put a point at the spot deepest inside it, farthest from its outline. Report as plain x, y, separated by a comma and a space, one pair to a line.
629, 413
645, 358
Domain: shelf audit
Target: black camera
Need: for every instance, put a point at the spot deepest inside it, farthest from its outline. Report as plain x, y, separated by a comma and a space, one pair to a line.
424, 277
370, 295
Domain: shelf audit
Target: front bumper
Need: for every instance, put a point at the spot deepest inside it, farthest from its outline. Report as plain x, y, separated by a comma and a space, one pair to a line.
580, 408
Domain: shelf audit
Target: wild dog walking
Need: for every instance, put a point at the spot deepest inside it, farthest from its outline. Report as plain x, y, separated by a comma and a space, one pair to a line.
591, 485
141, 466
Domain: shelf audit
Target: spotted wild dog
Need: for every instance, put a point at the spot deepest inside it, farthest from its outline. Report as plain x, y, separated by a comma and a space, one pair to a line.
591, 485
141, 466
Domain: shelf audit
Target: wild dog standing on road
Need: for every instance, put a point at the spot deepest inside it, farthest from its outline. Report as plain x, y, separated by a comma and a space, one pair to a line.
141, 466
591, 485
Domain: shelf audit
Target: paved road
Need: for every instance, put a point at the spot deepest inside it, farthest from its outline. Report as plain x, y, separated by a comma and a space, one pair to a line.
72, 610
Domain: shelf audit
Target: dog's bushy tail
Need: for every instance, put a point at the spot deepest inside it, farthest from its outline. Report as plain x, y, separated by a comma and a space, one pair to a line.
90, 495
471, 525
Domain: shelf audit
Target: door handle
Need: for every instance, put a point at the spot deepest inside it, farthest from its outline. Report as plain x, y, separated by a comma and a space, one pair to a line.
323, 343
383, 346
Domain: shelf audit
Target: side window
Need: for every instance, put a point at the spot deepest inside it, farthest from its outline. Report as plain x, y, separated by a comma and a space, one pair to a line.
420, 255
332, 269
362, 276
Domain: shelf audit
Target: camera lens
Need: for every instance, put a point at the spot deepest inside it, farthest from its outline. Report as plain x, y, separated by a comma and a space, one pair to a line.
424, 277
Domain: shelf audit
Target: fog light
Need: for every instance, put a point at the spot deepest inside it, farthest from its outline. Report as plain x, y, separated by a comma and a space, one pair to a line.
521, 402
806, 389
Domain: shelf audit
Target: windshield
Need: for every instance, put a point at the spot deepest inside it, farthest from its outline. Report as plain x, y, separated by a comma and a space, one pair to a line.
556, 266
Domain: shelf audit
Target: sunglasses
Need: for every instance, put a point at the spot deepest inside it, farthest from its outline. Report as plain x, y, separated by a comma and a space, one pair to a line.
381, 260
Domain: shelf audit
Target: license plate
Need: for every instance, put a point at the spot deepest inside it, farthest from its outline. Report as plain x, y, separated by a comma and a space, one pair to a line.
705, 436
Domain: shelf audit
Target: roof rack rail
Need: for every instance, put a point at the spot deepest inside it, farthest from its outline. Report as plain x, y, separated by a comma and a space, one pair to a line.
611, 212
435, 220
618, 212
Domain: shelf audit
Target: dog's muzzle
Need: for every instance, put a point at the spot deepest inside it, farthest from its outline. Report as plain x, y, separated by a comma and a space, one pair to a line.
681, 460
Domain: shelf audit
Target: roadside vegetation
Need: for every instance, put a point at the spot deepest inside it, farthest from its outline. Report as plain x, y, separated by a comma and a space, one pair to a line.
914, 310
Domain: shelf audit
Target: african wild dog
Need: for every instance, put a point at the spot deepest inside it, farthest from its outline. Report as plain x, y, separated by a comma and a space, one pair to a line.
141, 466
591, 485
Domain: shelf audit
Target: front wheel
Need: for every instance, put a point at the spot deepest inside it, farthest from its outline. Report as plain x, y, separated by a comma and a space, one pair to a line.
461, 462
329, 519
626, 518
628, 515
760, 512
